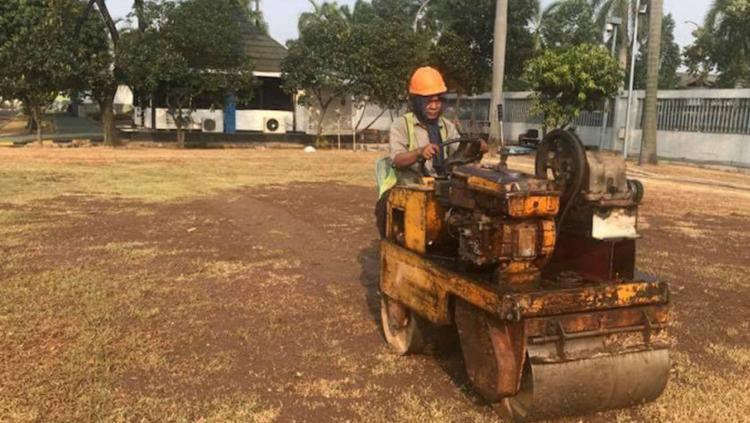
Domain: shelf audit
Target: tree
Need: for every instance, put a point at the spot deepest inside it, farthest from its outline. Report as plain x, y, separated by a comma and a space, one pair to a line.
606, 9
37, 55
384, 52
472, 22
567, 82
723, 44
567, 23
463, 70
648, 144
191, 52
697, 57
101, 77
670, 59
317, 62
254, 14
366, 53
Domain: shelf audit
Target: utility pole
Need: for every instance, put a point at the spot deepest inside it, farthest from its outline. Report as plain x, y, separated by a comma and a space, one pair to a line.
648, 142
498, 72
633, 52
615, 23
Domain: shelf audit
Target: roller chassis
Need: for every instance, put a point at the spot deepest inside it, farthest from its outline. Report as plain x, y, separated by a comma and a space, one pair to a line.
541, 342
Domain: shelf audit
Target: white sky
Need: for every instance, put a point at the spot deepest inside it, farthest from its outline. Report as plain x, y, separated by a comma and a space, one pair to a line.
282, 15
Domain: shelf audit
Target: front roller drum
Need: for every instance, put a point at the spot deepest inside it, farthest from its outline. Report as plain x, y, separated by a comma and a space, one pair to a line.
589, 385
529, 385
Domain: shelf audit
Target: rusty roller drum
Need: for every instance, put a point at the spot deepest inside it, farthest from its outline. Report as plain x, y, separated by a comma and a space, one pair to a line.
588, 378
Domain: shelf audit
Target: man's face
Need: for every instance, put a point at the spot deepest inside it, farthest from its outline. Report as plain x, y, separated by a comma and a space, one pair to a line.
434, 107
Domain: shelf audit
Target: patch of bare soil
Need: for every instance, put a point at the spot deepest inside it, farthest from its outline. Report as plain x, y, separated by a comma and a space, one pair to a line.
272, 292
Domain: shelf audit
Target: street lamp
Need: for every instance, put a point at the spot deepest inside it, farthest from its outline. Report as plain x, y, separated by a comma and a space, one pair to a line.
421, 9
612, 27
640, 11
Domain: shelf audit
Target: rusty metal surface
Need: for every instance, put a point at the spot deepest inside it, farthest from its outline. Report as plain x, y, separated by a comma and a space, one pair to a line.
421, 218
606, 177
426, 286
605, 261
494, 351
586, 299
542, 328
400, 327
588, 385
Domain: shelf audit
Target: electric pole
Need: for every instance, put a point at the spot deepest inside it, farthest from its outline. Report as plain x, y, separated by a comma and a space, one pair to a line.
498, 72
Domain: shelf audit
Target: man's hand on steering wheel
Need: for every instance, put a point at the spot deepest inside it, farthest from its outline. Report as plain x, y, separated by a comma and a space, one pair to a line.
429, 151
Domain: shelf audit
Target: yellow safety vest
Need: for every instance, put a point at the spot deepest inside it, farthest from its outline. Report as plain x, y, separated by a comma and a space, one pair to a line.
385, 174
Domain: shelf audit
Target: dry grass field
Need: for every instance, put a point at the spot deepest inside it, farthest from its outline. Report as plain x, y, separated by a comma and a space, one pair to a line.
241, 285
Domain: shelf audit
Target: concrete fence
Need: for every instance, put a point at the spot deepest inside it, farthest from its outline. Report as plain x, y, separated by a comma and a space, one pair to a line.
707, 126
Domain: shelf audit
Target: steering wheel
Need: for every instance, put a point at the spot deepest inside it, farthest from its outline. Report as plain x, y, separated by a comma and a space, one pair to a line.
469, 151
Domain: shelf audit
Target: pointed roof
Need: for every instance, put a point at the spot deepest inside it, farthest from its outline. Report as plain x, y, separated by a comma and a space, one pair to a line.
265, 52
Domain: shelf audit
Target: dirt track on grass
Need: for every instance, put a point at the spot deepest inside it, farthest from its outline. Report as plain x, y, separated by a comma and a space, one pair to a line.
275, 290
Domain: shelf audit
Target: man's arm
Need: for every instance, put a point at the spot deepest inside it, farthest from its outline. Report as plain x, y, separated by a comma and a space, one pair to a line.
399, 145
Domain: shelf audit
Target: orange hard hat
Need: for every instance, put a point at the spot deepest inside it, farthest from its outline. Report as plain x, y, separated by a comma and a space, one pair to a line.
426, 82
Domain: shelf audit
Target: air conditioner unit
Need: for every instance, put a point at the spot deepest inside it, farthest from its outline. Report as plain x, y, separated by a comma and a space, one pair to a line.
209, 125
273, 125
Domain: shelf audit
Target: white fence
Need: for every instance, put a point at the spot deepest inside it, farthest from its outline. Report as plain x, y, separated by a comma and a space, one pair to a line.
709, 126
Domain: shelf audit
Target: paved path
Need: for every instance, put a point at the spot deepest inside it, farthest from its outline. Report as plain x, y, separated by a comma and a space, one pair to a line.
67, 128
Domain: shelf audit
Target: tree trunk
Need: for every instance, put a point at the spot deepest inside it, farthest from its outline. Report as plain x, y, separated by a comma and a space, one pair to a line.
323, 111
36, 112
106, 104
374, 120
180, 137
648, 142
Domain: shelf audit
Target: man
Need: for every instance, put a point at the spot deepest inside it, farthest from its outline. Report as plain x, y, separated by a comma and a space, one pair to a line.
416, 136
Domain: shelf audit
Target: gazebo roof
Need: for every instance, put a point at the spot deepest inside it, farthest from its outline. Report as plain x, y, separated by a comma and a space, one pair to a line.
265, 52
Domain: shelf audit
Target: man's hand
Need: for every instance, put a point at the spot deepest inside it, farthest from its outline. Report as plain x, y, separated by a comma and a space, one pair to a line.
429, 151
484, 147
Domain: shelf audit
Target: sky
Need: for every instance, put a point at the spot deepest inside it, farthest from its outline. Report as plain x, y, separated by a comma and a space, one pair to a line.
282, 15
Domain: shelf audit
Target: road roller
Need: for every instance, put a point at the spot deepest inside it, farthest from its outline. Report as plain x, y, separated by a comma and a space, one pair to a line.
537, 275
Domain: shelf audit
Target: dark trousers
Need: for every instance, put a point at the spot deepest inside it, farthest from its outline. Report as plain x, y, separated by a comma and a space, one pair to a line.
381, 213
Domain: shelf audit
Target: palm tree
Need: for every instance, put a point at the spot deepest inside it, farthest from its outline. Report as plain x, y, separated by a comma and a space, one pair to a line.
648, 144
623, 9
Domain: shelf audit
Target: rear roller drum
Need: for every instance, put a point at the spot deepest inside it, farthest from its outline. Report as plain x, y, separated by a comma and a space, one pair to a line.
400, 327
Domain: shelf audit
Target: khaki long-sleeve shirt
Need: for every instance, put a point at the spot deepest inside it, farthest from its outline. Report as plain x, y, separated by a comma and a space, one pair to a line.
399, 143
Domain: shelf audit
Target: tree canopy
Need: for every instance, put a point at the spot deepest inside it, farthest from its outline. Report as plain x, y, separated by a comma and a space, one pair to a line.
567, 82
191, 50
40, 57
465, 31
568, 23
366, 53
670, 62
723, 44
